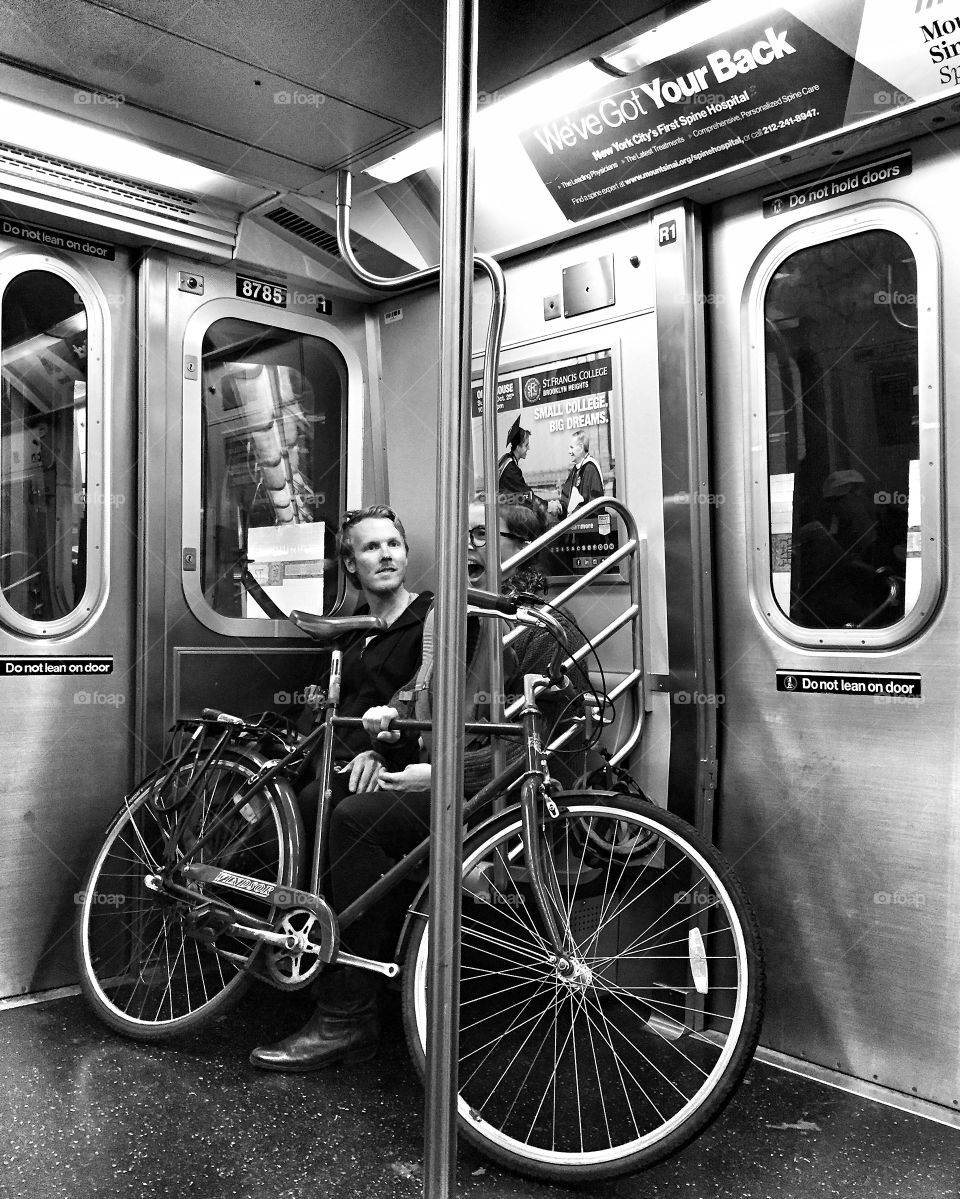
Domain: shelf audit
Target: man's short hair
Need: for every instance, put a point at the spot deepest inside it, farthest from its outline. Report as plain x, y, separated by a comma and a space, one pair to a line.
582, 438
354, 516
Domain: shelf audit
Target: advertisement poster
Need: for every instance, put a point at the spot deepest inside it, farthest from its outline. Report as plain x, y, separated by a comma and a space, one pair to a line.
565, 406
795, 74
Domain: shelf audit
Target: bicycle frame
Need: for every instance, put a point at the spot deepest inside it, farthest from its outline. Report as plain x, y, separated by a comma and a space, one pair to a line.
532, 772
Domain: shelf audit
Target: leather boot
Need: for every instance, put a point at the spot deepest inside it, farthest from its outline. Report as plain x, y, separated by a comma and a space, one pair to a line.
343, 1028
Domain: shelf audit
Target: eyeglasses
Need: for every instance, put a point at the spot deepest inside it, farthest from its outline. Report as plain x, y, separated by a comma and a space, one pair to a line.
478, 537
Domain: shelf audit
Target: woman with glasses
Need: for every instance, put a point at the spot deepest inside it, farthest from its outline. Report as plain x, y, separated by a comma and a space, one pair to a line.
371, 829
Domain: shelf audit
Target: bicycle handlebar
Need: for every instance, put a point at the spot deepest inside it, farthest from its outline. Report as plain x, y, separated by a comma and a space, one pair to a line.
489, 601
221, 717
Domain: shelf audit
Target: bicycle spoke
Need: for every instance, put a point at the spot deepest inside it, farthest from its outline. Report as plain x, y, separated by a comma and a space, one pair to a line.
151, 961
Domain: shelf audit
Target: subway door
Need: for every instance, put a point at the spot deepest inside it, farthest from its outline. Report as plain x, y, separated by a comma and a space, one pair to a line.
254, 413
837, 631
68, 503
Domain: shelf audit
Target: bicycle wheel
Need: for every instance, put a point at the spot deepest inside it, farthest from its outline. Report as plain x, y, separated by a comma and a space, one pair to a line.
154, 965
616, 1053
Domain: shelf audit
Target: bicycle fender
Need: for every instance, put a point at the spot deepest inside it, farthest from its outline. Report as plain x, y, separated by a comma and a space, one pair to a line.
281, 790
418, 908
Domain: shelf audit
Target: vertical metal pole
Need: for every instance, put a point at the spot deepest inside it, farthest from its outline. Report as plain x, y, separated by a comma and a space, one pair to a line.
456, 281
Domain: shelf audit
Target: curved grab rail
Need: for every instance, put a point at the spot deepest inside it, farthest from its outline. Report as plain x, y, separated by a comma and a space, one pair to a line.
635, 682
491, 362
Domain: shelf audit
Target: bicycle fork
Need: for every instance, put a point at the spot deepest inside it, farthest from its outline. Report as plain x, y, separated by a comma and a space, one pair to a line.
537, 804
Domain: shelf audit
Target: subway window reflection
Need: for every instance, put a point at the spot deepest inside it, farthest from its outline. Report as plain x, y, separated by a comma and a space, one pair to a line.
43, 451
843, 432
273, 429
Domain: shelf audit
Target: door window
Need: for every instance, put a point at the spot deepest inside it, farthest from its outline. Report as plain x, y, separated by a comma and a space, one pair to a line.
51, 508
844, 325
272, 431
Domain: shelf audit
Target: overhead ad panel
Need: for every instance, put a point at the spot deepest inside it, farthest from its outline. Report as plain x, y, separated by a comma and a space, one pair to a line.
796, 74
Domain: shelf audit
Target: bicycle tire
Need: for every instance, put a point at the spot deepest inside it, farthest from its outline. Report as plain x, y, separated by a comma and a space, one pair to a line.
146, 966
621, 1062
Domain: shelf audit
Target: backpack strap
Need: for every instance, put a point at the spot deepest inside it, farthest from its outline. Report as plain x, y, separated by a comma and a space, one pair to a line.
422, 708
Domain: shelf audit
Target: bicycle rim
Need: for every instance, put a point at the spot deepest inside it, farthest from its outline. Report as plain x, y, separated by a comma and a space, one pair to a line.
625, 1048
153, 965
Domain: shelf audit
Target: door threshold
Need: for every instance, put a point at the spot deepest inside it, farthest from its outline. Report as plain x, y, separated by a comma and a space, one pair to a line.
38, 997
860, 1087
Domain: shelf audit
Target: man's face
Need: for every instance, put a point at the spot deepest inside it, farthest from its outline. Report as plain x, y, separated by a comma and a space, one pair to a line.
523, 448
379, 556
577, 451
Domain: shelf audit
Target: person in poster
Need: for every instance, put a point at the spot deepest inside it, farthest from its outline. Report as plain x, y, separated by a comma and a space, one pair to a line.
583, 483
511, 484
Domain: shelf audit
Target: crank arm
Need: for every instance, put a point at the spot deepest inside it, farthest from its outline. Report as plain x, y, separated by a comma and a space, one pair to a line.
390, 969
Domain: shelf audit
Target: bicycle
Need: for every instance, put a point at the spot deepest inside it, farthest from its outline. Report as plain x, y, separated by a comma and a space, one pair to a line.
611, 980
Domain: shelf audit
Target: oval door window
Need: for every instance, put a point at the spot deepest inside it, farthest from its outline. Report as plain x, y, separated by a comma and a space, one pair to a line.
273, 446
842, 408
43, 459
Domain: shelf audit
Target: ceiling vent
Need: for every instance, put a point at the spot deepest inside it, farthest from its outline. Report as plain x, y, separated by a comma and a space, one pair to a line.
304, 229
141, 210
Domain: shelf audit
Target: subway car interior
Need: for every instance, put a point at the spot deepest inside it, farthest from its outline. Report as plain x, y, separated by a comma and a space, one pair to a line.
283, 259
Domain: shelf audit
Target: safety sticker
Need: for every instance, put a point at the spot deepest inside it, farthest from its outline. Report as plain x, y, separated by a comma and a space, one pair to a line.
815, 682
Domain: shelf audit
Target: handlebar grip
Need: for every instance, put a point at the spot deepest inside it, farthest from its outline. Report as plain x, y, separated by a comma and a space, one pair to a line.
488, 601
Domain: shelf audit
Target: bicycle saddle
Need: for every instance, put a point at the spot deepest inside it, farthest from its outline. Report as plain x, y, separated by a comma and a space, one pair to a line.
328, 628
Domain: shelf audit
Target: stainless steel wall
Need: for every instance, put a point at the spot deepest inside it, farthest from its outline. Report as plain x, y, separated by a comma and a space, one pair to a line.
828, 804
68, 740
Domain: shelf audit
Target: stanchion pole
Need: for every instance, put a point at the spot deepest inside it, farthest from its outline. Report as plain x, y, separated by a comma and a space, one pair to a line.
446, 821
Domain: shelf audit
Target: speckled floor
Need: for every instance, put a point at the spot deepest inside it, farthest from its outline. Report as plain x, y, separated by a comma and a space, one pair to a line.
86, 1113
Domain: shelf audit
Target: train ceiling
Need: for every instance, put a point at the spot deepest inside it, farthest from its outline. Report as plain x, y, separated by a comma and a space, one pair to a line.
254, 107
281, 94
